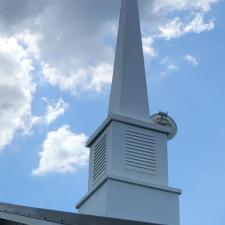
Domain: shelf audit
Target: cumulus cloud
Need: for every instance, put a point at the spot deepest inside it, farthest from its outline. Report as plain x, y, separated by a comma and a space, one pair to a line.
176, 28
83, 79
74, 52
172, 29
55, 110
197, 25
62, 152
177, 5
15, 15
16, 89
70, 39
148, 48
74, 39
72, 44
173, 67
191, 59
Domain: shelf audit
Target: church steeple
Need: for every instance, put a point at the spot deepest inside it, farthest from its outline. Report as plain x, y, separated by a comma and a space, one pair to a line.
128, 167
129, 91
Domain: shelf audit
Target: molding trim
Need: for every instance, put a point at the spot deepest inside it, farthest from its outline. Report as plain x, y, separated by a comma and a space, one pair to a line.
128, 181
127, 120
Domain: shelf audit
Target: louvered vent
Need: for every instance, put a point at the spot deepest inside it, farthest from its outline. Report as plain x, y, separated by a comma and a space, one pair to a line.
140, 152
99, 165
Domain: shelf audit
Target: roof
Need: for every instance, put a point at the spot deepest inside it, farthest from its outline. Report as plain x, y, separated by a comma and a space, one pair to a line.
14, 214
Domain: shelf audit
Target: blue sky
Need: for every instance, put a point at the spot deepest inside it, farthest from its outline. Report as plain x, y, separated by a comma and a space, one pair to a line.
56, 63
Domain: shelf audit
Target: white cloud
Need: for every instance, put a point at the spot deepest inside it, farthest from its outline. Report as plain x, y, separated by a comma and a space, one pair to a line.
29, 42
173, 67
73, 39
197, 25
178, 5
148, 46
176, 28
16, 89
76, 80
191, 59
63, 152
72, 42
55, 110
172, 29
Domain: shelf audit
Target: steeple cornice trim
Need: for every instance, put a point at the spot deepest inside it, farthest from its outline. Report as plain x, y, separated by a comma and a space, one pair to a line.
126, 120
129, 181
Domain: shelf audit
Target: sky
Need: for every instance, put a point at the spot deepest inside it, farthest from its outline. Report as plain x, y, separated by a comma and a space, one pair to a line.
56, 65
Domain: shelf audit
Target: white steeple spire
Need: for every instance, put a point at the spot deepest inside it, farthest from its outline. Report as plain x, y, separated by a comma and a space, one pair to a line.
129, 91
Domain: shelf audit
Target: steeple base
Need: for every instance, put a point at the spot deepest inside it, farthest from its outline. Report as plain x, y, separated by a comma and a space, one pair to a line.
128, 173
125, 199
